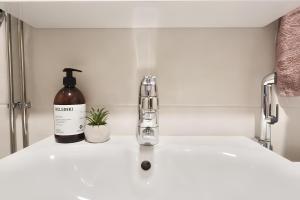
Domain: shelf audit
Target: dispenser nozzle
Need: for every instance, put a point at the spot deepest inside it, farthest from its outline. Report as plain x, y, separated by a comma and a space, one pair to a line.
69, 80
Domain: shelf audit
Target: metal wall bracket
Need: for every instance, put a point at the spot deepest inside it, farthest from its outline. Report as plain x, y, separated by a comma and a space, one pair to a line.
22, 105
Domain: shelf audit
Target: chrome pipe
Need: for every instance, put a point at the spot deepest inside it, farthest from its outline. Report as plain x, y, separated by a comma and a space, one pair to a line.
23, 105
11, 105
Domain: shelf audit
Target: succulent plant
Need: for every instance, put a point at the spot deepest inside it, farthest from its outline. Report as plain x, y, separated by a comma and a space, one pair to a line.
97, 117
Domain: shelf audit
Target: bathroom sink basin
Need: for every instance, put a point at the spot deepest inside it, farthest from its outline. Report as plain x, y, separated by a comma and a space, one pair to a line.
182, 168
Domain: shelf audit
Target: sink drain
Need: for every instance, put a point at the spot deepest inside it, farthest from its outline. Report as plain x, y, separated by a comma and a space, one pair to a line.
146, 165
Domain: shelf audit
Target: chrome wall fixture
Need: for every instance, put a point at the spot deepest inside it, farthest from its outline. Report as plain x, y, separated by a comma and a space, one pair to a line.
11, 104
267, 107
23, 105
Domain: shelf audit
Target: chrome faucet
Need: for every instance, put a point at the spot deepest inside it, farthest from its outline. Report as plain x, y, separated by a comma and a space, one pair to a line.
147, 133
268, 118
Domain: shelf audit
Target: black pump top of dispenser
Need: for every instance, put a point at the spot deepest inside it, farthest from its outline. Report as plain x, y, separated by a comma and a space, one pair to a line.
69, 80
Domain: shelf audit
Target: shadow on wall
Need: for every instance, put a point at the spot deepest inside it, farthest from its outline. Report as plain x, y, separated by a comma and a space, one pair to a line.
292, 139
291, 131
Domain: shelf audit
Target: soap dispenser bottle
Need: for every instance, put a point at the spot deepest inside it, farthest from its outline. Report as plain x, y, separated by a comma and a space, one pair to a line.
69, 111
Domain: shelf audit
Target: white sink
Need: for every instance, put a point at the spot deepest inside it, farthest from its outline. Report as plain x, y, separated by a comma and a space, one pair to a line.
183, 168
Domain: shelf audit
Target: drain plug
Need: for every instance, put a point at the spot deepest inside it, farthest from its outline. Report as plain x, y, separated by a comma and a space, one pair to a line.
146, 165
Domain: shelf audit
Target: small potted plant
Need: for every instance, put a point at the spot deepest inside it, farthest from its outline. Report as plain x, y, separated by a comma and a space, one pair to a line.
96, 129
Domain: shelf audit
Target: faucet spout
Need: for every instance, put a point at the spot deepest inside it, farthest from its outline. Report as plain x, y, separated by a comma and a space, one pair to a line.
147, 133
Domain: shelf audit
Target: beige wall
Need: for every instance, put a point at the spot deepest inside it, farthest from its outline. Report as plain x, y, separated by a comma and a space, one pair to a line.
195, 67
209, 79
287, 132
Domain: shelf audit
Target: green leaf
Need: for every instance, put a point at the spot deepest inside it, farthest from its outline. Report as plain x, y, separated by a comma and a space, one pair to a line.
97, 117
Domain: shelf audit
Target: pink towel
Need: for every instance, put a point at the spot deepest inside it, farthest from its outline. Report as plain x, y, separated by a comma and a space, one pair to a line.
288, 54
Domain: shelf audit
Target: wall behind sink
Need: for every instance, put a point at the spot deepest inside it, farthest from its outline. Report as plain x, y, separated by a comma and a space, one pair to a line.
208, 79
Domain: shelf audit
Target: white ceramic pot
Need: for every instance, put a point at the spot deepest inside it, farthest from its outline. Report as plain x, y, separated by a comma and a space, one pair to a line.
96, 134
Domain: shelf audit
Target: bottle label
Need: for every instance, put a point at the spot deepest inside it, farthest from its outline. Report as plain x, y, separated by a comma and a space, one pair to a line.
69, 119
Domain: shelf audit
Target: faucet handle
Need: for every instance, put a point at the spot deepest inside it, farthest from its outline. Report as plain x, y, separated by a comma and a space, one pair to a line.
148, 87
